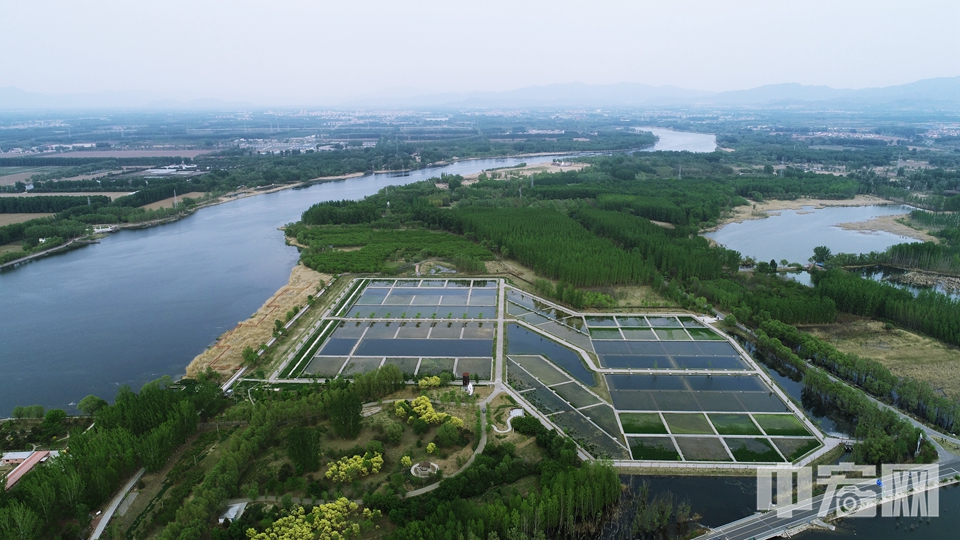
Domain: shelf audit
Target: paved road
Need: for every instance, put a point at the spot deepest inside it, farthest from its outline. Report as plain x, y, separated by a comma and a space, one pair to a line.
768, 525
114, 504
41, 253
930, 432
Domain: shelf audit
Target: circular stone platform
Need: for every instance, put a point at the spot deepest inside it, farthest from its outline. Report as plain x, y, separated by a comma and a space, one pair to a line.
424, 469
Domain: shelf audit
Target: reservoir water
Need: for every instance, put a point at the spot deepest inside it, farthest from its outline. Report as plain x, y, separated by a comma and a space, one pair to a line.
793, 234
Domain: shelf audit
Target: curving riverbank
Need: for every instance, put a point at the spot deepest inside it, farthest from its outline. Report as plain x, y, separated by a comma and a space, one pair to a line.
771, 207
225, 355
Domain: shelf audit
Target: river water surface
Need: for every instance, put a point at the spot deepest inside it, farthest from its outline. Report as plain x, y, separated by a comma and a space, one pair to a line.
142, 303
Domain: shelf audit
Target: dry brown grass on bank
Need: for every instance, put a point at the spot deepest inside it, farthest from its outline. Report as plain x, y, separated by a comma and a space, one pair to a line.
9, 219
168, 203
225, 356
904, 353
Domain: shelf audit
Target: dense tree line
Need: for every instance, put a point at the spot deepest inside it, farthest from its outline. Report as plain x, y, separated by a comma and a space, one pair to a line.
930, 312
753, 146
882, 435
194, 513
138, 430
945, 225
939, 258
76, 159
380, 382
674, 252
75, 214
795, 184
753, 299
910, 395
53, 204
569, 503
378, 247
569, 294
554, 245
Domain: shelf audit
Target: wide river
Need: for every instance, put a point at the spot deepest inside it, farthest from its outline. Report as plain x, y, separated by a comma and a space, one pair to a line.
142, 303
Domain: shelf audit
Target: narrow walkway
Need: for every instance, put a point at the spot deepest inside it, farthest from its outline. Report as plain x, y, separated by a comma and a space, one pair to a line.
108, 513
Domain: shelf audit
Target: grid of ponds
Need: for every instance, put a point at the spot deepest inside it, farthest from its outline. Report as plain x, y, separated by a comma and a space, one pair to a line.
689, 393
427, 298
748, 438
554, 320
571, 405
430, 326
625, 354
422, 326
332, 366
728, 415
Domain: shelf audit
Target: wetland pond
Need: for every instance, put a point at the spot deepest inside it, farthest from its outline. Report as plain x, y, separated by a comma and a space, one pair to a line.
793, 234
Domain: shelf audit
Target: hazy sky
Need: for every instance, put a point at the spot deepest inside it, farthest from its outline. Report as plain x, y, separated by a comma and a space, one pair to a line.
316, 51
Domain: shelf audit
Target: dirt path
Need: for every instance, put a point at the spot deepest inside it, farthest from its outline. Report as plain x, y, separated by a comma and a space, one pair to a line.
152, 482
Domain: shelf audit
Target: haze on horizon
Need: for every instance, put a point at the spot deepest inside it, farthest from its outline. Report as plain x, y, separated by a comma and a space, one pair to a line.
292, 53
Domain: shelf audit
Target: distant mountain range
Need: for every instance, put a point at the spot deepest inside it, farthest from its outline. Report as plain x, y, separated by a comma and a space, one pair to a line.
927, 94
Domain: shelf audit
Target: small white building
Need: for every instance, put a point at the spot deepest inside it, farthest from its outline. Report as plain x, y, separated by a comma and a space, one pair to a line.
15, 458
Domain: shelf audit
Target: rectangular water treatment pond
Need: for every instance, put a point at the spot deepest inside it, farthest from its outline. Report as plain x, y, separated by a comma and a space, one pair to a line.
781, 424
642, 423
653, 448
624, 386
